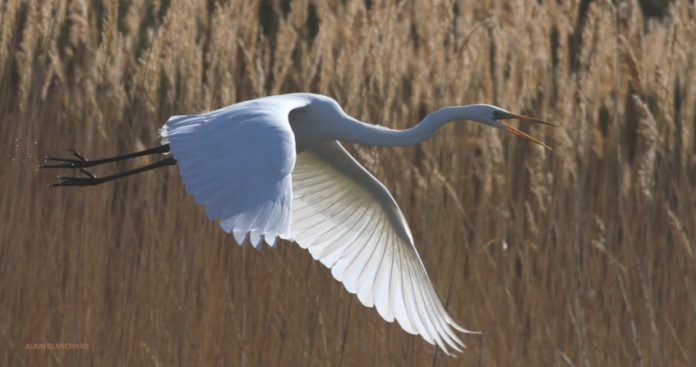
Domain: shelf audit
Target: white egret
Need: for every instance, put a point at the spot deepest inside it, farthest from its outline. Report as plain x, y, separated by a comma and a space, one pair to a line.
273, 168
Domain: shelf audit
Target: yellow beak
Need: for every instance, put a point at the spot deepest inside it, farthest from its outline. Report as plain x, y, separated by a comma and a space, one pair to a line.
521, 133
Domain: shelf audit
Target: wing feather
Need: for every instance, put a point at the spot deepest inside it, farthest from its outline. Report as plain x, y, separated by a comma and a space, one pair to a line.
237, 162
367, 279
383, 281
349, 221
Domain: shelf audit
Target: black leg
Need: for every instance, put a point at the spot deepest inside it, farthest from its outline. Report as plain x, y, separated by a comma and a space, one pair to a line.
91, 179
81, 162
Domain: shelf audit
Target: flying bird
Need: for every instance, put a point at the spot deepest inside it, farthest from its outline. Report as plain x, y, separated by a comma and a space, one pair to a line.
273, 167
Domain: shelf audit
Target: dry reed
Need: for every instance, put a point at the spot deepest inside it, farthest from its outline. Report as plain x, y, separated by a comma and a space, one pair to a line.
583, 256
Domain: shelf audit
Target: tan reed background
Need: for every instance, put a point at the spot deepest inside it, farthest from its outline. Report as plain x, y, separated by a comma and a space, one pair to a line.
583, 256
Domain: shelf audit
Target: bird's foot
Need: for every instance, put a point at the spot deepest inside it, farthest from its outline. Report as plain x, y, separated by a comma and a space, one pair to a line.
78, 162
91, 179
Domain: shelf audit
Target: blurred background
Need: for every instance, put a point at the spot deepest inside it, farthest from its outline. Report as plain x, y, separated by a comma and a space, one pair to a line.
577, 257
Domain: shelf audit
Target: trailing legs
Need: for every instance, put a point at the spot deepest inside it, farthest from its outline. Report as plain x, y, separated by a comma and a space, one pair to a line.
81, 163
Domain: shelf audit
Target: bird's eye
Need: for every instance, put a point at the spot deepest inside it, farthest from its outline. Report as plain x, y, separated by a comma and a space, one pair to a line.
497, 115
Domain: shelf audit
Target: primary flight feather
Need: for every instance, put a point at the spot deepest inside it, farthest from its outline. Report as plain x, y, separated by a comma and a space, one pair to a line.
273, 168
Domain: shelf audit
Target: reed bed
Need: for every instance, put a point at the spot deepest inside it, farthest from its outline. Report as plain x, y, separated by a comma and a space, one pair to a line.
583, 256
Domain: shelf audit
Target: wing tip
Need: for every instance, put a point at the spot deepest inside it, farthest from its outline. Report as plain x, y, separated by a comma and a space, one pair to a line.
461, 329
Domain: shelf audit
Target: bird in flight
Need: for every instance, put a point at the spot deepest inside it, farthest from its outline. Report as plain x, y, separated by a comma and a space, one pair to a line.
273, 167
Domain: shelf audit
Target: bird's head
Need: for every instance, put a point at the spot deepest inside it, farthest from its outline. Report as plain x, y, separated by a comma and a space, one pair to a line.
495, 116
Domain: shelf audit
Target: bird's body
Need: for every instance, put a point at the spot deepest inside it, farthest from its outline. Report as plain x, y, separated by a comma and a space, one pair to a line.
268, 169
273, 168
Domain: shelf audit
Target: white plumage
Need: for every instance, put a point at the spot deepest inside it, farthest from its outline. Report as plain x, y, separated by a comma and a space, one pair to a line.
237, 161
349, 221
272, 168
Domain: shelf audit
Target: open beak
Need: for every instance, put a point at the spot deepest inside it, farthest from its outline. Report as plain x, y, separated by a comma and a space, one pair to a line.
521, 133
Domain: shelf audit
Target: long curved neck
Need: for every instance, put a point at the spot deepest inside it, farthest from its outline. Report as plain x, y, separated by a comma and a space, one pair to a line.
356, 131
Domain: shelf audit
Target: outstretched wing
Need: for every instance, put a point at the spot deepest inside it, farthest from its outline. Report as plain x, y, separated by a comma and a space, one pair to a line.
348, 220
237, 161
